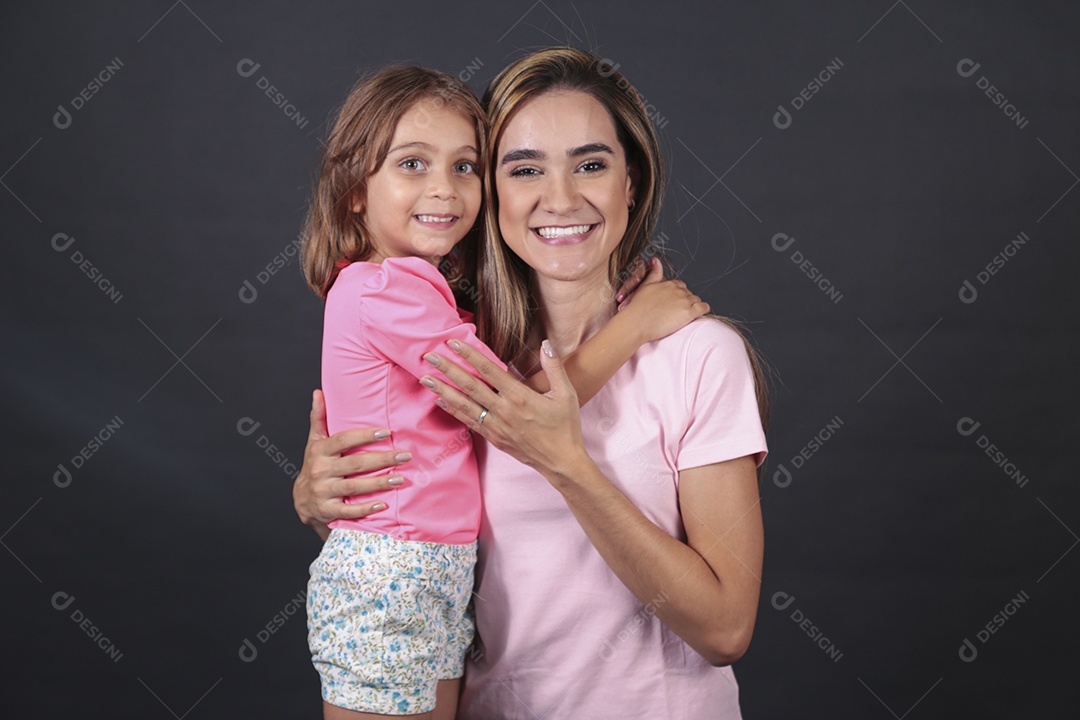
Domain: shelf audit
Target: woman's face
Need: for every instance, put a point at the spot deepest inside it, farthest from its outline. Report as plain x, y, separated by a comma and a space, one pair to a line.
563, 185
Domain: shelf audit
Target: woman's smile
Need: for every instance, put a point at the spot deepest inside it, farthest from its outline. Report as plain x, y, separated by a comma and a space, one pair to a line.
564, 234
563, 186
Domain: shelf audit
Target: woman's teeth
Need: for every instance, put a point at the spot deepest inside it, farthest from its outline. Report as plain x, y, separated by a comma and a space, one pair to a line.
434, 219
558, 232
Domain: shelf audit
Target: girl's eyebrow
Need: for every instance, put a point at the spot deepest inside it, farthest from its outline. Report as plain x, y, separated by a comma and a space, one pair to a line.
413, 146
429, 147
528, 154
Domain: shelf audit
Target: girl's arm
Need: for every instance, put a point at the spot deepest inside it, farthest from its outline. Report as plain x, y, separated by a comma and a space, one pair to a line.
323, 482
656, 309
706, 589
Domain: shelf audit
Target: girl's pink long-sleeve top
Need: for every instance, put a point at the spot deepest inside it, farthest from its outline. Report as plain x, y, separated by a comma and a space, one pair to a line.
379, 322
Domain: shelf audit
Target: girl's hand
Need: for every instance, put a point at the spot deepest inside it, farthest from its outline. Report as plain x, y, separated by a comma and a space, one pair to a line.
322, 485
541, 431
635, 274
660, 307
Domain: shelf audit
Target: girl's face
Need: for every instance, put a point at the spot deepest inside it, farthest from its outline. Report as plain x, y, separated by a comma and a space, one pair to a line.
563, 185
426, 194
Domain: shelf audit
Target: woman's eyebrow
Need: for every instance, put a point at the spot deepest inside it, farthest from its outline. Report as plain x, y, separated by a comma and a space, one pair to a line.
527, 154
589, 149
522, 154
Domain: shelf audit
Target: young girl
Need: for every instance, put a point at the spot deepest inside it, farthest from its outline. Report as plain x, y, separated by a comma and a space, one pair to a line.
399, 187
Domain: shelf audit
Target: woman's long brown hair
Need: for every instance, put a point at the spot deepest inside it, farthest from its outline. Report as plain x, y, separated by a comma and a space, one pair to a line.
506, 307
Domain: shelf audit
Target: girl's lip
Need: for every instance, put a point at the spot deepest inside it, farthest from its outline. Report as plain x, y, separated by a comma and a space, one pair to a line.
565, 239
437, 224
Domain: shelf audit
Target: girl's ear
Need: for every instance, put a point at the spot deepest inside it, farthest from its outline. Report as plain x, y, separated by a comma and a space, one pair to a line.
356, 203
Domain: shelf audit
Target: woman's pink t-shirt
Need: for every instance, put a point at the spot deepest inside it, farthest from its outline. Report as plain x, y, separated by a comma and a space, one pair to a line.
380, 320
561, 636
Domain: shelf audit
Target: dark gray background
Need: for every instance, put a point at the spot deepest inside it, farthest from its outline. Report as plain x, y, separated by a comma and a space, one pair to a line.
180, 180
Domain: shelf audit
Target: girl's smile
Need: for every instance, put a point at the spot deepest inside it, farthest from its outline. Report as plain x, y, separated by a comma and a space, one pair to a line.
426, 194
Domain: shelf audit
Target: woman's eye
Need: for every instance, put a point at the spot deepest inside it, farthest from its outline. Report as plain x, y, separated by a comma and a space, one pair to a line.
411, 164
524, 172
594, 166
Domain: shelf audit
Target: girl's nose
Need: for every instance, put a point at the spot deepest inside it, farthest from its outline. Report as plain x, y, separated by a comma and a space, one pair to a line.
442, 185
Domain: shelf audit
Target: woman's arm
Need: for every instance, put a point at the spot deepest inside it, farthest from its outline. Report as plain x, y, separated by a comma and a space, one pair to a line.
322, 485
323, 482
656, 309
708, 587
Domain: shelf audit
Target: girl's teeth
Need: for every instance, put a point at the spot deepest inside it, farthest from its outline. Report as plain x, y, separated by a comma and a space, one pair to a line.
557, 232
432, 218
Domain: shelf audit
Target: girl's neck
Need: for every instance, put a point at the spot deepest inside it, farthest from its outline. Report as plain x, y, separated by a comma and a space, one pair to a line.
377, 256
571, 312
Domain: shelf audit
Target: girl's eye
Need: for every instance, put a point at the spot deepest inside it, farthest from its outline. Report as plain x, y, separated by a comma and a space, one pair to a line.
593, 166
464, 167
524, 171
411, 164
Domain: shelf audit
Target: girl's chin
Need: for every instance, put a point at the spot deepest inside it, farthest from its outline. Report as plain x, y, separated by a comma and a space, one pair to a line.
433, 247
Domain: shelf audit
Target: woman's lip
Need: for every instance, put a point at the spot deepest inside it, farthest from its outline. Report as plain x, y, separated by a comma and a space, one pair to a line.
565, 239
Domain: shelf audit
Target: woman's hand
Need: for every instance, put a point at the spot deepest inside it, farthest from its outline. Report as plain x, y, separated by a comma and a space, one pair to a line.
323, 482
541, 431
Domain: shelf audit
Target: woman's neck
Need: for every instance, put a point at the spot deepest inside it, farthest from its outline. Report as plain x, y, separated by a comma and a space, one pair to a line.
571, 311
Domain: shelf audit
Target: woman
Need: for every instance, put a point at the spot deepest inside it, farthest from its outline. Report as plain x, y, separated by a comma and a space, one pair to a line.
621, 545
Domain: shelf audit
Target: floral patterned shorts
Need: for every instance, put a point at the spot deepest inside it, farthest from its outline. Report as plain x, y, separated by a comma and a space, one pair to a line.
388, 619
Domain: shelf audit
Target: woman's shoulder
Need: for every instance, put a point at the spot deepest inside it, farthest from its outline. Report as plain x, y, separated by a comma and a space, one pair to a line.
706, 335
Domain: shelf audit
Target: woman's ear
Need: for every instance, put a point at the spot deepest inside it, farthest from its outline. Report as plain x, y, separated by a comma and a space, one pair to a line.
633, 179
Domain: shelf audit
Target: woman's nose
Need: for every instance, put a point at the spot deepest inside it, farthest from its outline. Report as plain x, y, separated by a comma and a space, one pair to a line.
560, 196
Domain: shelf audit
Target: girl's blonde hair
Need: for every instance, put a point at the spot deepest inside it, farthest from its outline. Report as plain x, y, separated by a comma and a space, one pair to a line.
506, 306
334, 235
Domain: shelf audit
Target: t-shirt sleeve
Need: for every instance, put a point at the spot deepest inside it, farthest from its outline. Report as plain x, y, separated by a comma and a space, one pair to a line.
721, 402
407, 309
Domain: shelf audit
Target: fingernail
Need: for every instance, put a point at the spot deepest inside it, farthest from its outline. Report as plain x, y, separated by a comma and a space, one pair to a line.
548, 350
396, 480
441, 403
432, 359
619, 297
378, 506
402, 457
454, 345
382, 434
427, 382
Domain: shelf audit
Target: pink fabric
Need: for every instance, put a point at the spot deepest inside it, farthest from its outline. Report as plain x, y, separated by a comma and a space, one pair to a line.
561, 635
380, 319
